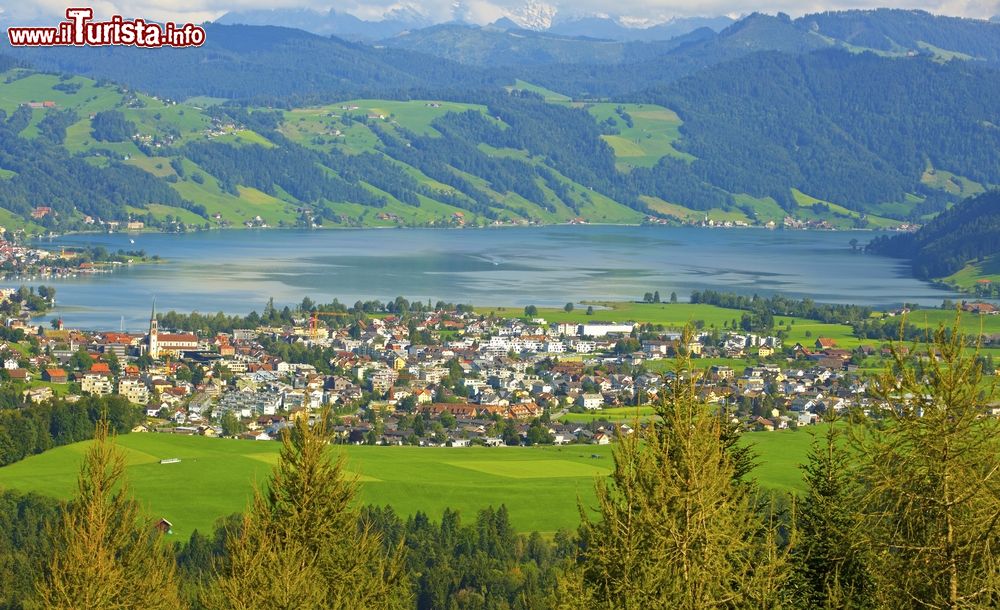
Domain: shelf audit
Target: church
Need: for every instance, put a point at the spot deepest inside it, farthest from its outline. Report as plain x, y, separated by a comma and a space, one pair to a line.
159, 345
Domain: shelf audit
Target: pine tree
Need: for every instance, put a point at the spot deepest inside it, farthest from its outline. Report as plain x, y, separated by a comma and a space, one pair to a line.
106, 554
677, 529
832, 571
300, 545
932, 473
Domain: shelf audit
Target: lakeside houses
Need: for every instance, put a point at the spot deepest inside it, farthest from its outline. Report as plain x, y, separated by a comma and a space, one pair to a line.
439, 378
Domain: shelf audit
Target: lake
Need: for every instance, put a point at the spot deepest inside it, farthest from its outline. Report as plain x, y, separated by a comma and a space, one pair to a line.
237, 271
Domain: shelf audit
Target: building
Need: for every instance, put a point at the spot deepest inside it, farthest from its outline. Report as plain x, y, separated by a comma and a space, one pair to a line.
134, 390
602, 329
167, 344
96, 384
55, 376
152, 340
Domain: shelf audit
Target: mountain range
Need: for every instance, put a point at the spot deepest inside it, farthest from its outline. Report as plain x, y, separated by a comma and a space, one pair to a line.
854, 119
532, 17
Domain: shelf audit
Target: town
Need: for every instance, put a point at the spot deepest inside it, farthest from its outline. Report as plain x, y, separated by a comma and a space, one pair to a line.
19, 261
433, 376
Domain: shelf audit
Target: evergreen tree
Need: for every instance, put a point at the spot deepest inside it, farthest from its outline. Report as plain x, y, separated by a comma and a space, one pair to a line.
299, 544
106, 554
677, 528
833, 571
932, 472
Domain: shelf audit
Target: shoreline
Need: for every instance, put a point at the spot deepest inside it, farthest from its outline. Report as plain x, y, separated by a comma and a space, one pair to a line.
34, 238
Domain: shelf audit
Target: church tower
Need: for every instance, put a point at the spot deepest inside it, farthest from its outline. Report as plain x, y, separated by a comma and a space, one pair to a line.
154, 346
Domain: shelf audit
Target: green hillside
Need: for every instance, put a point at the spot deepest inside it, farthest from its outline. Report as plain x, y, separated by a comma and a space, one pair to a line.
385, 191
530, 156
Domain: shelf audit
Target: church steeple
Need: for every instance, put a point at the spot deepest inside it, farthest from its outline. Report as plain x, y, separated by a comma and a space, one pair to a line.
154, 347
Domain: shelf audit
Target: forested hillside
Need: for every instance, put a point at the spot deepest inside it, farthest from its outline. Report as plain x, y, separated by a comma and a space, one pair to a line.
967, 232
276, 66
893, 30
857, 130
768, 119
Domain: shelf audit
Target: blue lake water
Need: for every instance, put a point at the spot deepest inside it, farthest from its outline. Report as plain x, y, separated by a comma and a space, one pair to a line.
237, 271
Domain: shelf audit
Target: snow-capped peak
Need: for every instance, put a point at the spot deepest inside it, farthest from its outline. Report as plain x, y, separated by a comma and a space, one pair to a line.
407, 12
533, 15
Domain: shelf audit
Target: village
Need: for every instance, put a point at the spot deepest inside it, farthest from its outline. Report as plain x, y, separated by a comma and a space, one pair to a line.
437, 378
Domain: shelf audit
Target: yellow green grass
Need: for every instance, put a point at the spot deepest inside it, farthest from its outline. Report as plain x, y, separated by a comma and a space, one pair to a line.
949, 182
967, 277
654, 131
539, 485
674, 315
841, 216
548, 94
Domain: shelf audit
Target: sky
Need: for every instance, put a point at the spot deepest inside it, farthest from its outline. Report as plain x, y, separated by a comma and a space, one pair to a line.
637, 12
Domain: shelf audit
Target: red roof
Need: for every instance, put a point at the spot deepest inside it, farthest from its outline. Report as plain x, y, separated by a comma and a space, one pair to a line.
100, 367
176, 338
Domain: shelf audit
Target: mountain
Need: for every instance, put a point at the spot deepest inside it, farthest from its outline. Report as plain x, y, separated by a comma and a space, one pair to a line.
103, 151
686, 55
763, 120
610, 29
681, 55
501, 45
855, 130
329, 23
968, 232
533, 15
576, 46
273, 64
900, 31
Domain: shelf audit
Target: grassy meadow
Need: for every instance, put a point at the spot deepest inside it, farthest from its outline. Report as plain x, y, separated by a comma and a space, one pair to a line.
539, 485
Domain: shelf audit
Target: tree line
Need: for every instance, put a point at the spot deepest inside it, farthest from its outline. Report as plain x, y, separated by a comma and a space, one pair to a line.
968, 232
779, 305
30, 428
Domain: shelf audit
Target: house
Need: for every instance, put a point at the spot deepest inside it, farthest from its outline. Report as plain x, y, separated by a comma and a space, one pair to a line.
41, 394
762, 424
164, 526
457, 409
825, 343
590, 401
96, 384
100, 368
19, 374
55, 376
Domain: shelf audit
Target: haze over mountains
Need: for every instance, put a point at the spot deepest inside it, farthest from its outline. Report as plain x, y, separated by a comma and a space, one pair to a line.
533, 18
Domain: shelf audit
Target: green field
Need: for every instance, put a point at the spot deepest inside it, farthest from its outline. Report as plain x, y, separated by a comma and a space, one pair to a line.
615, 414
967, 277
539, 485
839, 216
971, 324
677, 315
951, 183
651, 137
